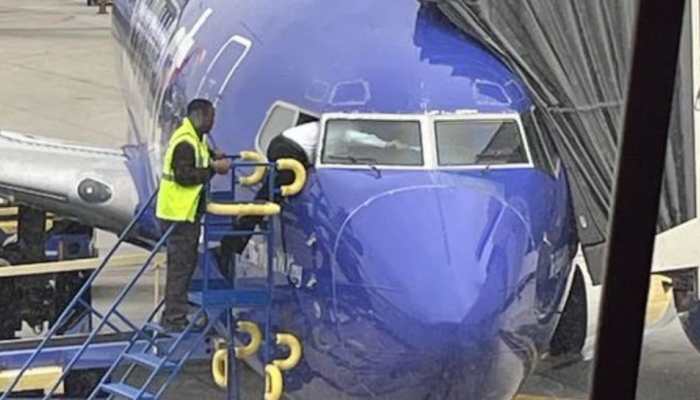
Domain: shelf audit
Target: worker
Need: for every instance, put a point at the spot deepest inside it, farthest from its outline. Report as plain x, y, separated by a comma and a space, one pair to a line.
188, 165
299, 143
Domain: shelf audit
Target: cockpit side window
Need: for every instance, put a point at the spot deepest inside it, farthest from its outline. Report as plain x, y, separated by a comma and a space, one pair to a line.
306, 118
373, 142
281, 117
479, 142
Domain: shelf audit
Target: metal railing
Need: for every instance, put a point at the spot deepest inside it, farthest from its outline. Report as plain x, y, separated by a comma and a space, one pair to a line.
77, 301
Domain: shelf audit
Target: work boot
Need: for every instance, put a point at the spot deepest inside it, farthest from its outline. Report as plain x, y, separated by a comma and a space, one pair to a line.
177, 326
181, 324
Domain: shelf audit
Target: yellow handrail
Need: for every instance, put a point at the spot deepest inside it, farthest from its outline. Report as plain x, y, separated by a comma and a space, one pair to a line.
274, 383
244, 209
295, 350
259, 172
219, 363
219, 368
255, 339
289, 164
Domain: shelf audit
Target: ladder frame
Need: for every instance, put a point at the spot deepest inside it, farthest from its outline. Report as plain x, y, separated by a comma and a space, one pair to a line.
215, 312
60, 321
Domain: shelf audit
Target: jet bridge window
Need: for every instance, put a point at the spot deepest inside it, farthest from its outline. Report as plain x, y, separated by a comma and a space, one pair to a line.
479, 142
373, 142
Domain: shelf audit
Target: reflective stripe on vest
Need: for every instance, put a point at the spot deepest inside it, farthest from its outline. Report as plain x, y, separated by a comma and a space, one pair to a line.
177, 202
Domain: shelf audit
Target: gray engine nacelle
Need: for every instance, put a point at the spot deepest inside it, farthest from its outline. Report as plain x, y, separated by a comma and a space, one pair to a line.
92, 185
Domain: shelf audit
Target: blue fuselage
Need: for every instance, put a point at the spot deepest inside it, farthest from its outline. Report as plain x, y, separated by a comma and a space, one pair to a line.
412, 283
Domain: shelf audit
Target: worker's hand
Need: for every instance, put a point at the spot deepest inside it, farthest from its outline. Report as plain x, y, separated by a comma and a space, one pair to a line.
218, 154
222, 166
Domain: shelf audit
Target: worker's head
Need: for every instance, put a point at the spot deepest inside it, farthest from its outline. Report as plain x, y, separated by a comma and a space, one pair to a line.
201, 112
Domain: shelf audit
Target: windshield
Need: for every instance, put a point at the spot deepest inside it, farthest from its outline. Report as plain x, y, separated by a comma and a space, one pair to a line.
475, 142
373, 142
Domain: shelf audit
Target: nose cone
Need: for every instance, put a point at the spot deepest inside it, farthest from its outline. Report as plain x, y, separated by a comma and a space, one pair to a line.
432, 270
435, 252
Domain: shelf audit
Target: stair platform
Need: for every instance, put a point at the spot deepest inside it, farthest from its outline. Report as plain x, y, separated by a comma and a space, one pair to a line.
230, 298
124, 390
219, 231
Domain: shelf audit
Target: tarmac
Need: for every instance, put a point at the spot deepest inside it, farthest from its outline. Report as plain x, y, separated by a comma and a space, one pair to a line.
57, 69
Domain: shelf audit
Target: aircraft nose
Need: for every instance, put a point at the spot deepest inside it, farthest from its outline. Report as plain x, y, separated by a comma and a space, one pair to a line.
437, 254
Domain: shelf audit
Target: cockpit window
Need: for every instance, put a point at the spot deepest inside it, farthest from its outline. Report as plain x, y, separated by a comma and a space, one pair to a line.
474, 142
373, 142
281, 117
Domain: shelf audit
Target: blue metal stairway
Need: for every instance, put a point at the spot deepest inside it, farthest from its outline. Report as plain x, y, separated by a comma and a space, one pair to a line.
151, 347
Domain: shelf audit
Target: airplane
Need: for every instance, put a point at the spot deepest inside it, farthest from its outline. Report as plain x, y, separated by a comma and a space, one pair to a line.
444, 273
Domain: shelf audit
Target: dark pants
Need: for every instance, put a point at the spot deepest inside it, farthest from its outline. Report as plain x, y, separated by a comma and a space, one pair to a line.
182, 262
280, 147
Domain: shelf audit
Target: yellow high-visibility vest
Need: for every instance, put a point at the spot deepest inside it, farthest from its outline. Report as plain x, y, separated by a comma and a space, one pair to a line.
176, 202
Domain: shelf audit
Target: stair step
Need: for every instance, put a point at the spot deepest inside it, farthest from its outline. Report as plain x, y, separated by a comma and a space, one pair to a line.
124, 390
155, 327
149, 360
230, 297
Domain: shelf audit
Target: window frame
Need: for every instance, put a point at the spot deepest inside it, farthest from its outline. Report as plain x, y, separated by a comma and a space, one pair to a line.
289, 106
427, 159
496, 117
246, 44
428, 139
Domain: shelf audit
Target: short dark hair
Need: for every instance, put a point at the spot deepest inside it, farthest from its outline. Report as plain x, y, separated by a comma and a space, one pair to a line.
199, 105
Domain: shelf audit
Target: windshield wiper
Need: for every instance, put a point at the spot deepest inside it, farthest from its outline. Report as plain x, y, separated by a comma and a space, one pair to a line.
370, 162
353, 160
489, 159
